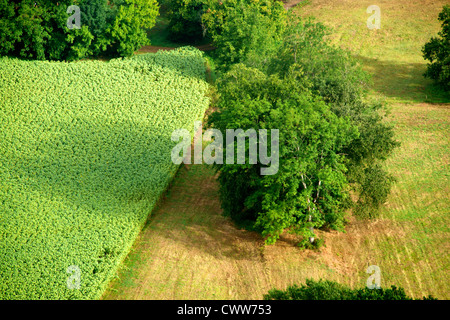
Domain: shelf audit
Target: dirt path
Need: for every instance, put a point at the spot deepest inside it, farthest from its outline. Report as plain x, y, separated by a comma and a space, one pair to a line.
188, 250
290, 4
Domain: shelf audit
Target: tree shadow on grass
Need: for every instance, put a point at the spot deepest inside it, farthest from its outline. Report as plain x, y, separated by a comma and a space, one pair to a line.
191, 216
403, 82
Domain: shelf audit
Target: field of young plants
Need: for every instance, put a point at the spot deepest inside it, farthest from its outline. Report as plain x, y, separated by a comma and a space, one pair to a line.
85, 154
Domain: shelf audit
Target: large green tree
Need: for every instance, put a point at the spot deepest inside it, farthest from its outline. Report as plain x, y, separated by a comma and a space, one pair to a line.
310, 188
341, 82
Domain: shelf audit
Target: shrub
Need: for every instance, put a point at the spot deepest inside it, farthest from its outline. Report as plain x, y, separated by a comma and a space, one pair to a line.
437, 52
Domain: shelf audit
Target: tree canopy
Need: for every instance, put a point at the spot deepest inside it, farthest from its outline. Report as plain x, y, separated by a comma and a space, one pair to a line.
38, 29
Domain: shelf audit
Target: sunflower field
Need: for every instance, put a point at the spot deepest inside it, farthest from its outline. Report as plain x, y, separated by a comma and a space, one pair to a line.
85, 154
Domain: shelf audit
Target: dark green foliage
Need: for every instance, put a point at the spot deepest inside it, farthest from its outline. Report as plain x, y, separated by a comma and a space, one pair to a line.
38, 29
332, 141
437, 52
311, 180
186, 19
245, 31
97, 15
9, 33
330, 290
313, 290
339, 80
132, 19
240, 29
334, 74
33, 29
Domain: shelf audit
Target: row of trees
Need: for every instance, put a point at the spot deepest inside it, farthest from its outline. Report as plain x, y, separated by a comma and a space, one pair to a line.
37, 29
280, 72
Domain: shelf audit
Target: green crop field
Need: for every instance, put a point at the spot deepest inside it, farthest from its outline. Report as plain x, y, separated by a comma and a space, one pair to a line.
85, 155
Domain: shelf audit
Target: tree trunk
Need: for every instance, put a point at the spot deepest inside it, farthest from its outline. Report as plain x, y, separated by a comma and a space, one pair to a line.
311, 239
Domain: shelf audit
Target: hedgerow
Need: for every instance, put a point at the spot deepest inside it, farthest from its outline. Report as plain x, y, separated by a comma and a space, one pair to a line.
85, 153
331, 290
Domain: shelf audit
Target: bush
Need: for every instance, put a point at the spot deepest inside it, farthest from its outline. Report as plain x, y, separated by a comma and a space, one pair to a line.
437, 52
330, 290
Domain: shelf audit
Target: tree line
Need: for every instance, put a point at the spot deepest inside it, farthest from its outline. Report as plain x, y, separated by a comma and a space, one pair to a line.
37, 29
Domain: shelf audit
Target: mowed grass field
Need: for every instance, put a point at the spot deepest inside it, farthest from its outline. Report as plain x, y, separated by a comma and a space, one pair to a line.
188, 250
